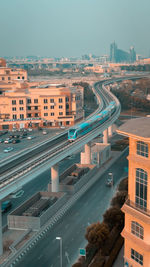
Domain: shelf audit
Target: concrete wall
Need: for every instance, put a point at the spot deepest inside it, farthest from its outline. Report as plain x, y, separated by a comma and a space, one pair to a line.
17, 221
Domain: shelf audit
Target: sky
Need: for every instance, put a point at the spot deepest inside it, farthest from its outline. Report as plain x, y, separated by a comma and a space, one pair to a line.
71, 28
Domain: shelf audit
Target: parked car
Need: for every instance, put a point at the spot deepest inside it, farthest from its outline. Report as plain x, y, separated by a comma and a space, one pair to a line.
30, 129
8, 140
44, 132
1, 140
6, 205
15, 141
16, 136
11, 136
30, 137
8, 149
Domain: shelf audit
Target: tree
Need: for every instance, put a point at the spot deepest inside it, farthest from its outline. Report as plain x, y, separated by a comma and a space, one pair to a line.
123, 185
119, 199
114, 217
97, 233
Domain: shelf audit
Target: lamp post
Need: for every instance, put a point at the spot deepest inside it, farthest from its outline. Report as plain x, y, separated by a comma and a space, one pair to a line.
59, 238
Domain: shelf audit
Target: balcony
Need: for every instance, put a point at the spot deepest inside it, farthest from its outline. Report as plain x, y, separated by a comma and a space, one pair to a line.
137, 211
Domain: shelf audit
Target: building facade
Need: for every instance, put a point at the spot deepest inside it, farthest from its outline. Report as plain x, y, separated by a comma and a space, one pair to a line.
43, 106
136, 232
7, 74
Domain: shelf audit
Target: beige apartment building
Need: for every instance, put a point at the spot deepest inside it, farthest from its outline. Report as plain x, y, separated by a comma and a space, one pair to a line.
136, 232
43, 106
8, 74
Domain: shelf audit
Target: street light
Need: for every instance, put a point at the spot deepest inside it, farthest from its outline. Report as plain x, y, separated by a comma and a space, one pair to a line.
59, 238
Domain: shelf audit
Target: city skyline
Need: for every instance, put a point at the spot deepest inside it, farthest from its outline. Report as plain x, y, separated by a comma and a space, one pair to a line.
73, 28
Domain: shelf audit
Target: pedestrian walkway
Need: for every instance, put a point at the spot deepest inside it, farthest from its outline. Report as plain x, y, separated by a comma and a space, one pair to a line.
119, 260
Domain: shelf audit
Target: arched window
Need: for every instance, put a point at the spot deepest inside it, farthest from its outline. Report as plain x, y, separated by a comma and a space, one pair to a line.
137, 229
142, 149
141, 188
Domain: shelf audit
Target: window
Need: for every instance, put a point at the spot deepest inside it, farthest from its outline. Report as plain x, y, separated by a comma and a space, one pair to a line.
45, 107
21, 108
29, 115
3, 78
60, 113
13, 109
22, 77
14, 116
21, 116
35, 101
36, 107
51, 100
142, 149
141, 188
28, 108
18, 77
136, 256
60, 106
67, 106
36, 115
7, 72
45, 101
13, 102
60, 100
45, 114
137, 229
67, 99
20, 102
29, 101
51, 107
67, 122
9, 78
52, 114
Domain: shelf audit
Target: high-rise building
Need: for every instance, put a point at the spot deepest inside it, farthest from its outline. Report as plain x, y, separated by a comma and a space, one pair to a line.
118, 55
136, 232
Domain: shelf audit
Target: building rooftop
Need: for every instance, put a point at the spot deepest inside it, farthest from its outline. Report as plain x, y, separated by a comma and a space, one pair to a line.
136, 128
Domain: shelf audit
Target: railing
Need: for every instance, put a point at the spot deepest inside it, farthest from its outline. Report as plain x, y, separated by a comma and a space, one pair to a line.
138, 207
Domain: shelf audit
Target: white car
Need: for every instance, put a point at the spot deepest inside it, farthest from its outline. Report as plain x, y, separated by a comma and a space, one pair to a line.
8, 149
44, 132
30, 137
8, 140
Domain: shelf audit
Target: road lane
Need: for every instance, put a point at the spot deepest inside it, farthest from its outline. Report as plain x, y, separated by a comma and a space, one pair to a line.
89, 208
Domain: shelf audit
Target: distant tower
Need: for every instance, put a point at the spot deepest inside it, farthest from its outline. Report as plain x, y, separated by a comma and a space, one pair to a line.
113, 52
132, 54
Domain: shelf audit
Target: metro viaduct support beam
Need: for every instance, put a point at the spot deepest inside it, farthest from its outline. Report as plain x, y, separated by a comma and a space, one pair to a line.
55, 178
105, 136
87, 153
110, 131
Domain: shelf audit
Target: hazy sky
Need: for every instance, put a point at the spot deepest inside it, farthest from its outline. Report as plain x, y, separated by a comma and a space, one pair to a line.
73, 27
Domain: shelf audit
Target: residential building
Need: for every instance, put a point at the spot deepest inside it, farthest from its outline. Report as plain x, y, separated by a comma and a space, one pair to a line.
43, 106
8, 74
136, 232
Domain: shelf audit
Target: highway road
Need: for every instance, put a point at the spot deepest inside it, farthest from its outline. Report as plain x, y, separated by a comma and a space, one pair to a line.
71, 227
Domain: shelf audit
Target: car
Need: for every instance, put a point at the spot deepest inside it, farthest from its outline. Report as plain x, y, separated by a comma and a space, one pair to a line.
30, 129
1, 140
30, 137
109, 181
8, 140
44, 132
6, 205
16, 136
8, 149
15, 141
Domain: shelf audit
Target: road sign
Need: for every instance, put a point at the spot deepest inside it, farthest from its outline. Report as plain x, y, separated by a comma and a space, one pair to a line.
82, 252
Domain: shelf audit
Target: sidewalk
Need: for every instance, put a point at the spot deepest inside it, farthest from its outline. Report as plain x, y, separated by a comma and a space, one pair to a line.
119, 260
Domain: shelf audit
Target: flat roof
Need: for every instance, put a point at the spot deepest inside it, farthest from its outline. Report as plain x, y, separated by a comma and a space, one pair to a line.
135, 128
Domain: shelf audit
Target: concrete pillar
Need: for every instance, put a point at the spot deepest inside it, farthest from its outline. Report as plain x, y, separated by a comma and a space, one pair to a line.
110, 131
87, 153
1, 234
55, 178
105, 136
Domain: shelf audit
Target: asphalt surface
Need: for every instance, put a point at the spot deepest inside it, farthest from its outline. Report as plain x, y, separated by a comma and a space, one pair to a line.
72, 226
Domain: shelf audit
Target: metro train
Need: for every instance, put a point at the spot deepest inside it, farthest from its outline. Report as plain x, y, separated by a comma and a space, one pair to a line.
85, 127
